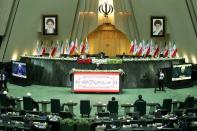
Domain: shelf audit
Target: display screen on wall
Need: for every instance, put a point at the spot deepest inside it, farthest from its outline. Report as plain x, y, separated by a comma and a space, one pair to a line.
19, 69
181, 72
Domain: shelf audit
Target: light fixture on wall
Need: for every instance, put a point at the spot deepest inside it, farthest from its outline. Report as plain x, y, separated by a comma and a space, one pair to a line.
34, 52
14, 56
194, 61
186, 57
83, 13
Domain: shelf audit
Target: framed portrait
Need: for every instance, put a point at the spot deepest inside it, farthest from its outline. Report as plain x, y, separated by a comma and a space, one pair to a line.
157, 26
49, 25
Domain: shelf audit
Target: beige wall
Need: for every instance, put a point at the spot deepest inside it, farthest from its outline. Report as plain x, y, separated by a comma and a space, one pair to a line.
178, 23
5, 9
27, 24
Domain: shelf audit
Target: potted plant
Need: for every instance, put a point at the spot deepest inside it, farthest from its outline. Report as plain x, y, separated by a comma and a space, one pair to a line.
67, 125
83, 124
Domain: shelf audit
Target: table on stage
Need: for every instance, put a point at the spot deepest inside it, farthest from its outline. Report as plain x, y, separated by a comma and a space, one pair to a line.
152, 107
99, 107
70, 105
44, 105
127, 108
18, 103
96, 80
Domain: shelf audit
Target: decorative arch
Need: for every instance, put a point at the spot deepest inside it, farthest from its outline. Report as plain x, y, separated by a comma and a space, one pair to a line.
106, 38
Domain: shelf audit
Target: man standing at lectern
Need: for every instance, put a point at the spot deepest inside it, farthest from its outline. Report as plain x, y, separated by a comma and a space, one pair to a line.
161, 80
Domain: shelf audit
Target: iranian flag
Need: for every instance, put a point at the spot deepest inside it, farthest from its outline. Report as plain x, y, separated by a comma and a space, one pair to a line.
62, 47
43, 51
166, 51
73, 47
53, 51
135, 48
140, 49
148, 48
87, 46
82, 47
58, 48
156, 51
131, 51
174, 51
38, 48
66, 48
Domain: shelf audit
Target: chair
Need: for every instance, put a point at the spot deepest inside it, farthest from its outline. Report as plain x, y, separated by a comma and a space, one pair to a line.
189, 103
27, 103
103, 114
166, 107
85, 107
3, 100
140, 107
66, 114
55, 106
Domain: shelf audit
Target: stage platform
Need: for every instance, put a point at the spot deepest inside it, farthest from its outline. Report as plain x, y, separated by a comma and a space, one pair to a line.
139, 72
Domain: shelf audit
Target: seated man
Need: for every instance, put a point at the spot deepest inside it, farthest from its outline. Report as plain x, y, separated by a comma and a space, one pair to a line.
35, 104
188, 102
10, 100
137, 101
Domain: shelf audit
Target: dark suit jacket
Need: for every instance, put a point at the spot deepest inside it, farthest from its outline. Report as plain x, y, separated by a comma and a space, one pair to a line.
112, 106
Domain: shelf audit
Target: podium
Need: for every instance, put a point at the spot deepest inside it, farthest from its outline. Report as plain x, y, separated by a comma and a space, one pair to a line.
96, 81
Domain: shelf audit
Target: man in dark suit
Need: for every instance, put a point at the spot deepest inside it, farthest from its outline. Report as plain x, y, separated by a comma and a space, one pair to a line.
10, 100
140, 106
2, 81
35, 104
6, 77
112, 107
158, 28
139, 99
188, 102
50, 29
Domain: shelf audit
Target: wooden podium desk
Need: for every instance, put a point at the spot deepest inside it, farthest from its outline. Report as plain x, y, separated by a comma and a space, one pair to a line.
96, 81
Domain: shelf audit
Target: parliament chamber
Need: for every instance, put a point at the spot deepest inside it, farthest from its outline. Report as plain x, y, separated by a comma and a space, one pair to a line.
98, 65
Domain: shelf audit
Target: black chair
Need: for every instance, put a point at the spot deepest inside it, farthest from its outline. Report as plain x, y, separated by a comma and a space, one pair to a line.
166, 107
140, 106
27, 103
103, 114
189, 103
65, 114
55, 106
3, 100
85, 107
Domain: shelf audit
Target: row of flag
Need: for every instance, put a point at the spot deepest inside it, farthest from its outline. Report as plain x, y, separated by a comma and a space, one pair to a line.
61, 47
149, 49
136, 49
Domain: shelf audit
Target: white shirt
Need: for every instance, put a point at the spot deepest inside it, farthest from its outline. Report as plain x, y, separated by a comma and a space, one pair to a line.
161, 75
2, 78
